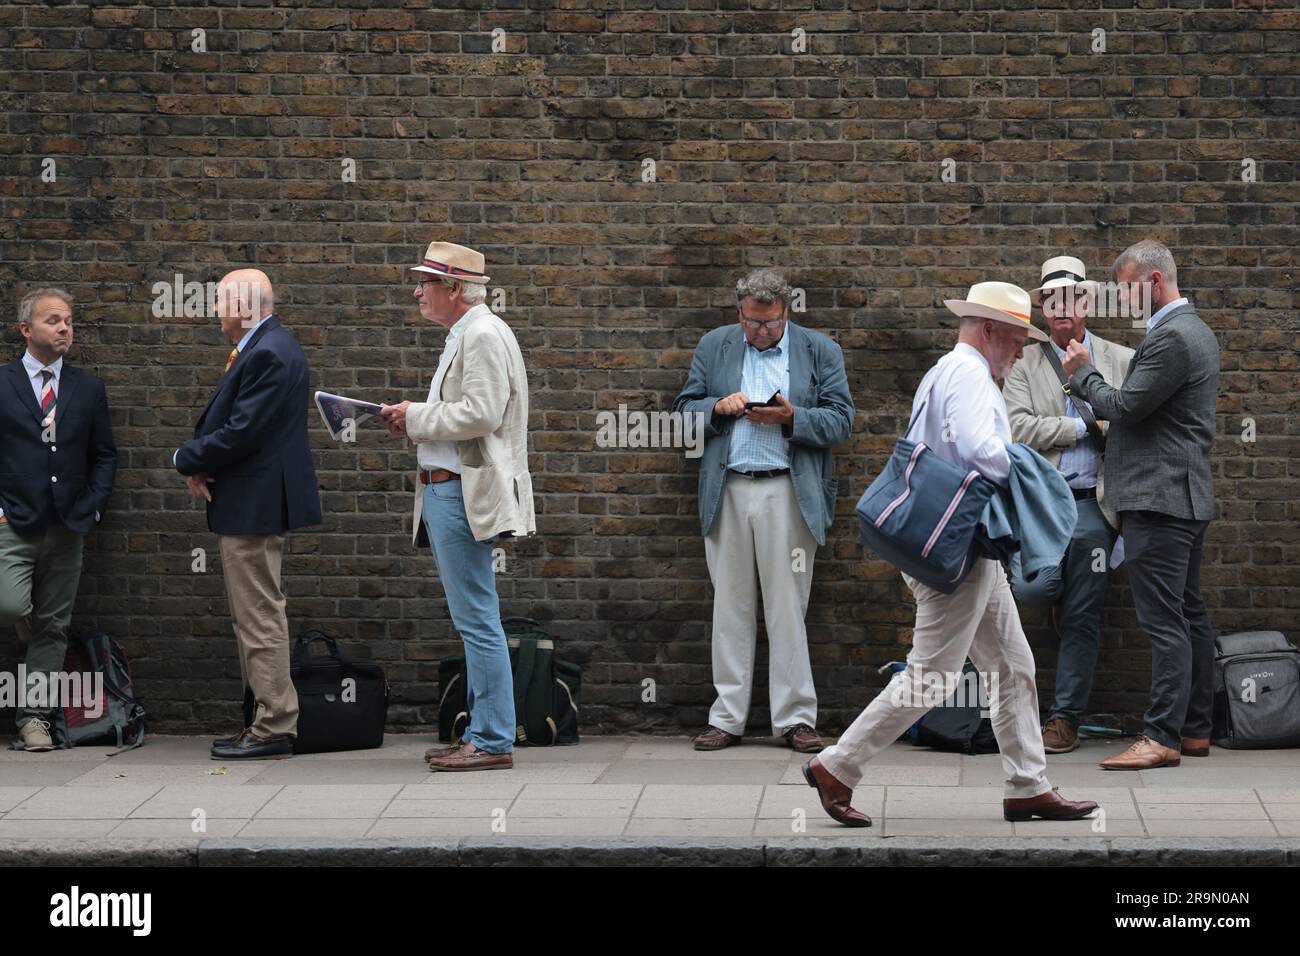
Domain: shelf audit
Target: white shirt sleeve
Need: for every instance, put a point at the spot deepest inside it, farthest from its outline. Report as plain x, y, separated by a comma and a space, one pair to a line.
971, 423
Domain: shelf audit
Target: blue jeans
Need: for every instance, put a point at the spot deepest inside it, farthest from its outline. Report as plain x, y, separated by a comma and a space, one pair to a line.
465, 566
1080, 591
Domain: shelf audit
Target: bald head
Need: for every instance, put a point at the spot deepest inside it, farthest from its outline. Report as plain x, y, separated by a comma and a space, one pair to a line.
244, 298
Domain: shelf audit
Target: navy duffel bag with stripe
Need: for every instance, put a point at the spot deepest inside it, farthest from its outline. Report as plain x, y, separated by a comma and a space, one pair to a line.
920, 515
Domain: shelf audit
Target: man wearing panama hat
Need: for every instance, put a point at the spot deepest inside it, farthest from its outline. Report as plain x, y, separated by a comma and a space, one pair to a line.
1068, 434
959, 413
473, 485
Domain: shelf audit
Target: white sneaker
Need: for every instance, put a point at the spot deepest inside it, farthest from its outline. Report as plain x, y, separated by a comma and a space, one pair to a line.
35, 735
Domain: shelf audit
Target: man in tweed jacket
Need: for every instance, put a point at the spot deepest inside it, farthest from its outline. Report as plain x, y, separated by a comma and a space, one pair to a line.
1162, 423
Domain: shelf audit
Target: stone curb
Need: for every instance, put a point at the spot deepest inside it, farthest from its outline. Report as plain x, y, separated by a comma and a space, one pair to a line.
629, 851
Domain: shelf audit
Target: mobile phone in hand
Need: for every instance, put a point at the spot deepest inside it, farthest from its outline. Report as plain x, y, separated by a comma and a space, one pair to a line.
770, 403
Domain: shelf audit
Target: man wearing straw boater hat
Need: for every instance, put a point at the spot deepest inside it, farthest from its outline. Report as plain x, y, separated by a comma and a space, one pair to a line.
1067, 432
473, 485
959, 413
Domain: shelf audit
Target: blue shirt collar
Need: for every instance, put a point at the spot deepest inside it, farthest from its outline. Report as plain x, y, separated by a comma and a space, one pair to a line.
249, 334
1087, 343
1155, 319
34, 366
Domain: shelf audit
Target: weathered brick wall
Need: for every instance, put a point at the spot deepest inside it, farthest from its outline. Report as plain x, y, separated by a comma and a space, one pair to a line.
827, 163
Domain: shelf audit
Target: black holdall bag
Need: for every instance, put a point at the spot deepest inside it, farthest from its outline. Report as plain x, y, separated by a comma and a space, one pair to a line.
342, 703
1256, 691
958, 726
546, 690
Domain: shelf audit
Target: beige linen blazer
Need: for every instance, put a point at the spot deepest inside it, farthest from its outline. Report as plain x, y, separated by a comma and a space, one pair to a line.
1036, 406
483, 407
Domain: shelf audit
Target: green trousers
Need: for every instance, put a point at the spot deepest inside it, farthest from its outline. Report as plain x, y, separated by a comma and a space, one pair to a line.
39, 575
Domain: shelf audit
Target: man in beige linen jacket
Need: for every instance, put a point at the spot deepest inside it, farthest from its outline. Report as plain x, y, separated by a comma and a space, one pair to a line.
472, 485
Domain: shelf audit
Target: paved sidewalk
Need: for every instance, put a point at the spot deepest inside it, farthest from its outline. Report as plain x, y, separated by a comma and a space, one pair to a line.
630, 792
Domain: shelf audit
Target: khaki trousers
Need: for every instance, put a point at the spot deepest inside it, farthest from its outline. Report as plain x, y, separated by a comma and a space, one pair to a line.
251, 566
760, 539
979, 620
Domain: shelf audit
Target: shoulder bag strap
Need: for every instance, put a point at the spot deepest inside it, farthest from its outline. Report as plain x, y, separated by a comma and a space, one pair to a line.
1089, 420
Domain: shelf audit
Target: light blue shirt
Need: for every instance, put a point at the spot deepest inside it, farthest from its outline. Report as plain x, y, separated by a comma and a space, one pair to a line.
1084, 457
1155, 319
240, 347
762, 447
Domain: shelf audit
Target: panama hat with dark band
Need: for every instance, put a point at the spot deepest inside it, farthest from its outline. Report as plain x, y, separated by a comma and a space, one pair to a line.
450, 261
1060, 272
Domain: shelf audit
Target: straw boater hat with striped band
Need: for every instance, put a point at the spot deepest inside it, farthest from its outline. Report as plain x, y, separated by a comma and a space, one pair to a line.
1059, 272
451, 261
999, 301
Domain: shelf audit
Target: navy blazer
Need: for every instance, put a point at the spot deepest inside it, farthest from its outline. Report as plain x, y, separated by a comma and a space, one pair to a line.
65, 480
252, 439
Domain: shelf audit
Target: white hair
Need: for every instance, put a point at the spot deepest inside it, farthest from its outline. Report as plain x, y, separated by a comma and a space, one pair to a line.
471, 293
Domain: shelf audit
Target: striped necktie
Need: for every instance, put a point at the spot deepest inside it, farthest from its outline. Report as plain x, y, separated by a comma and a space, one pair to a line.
230, 360
48, 399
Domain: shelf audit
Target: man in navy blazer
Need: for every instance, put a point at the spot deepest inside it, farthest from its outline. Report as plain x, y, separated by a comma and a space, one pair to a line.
57, 463
250, 460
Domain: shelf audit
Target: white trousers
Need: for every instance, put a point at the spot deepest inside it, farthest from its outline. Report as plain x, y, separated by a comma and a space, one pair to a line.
759, 537
979, 620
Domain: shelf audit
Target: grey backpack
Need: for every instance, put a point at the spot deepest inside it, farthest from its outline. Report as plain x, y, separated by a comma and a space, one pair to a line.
1256, 691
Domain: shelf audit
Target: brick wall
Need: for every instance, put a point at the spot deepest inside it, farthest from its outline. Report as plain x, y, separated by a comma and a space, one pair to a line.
826, 162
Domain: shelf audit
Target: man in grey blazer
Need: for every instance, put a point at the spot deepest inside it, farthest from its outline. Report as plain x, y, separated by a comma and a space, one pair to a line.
767, 498
1048, 421
1162, 424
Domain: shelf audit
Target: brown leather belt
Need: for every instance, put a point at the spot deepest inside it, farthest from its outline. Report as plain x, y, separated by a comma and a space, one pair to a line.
437, 476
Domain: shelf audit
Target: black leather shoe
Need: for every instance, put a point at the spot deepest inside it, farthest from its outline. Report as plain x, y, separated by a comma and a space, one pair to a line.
252, 747
228, 741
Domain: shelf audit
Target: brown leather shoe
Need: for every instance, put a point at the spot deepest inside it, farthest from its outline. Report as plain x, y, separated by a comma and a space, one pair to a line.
836, 798
1060, 736
803, 739
442, 750
469, 758
1196, 746
1145, 754
716, 739
1049, 806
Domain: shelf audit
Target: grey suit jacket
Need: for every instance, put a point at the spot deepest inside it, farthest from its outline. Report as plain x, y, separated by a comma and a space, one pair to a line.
1162, 421
1036, 406
823, 417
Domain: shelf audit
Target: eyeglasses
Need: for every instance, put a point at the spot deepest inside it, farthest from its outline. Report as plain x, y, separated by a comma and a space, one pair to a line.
755, 324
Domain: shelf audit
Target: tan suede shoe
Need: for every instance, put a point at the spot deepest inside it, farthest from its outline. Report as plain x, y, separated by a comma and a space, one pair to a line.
1060, 736
1145, 754
35, 736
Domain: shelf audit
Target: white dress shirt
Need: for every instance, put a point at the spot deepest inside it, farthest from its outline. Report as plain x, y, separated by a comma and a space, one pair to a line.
965, 418
432, 455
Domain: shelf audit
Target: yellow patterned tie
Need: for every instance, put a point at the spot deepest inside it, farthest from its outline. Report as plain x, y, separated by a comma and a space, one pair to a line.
230, 360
